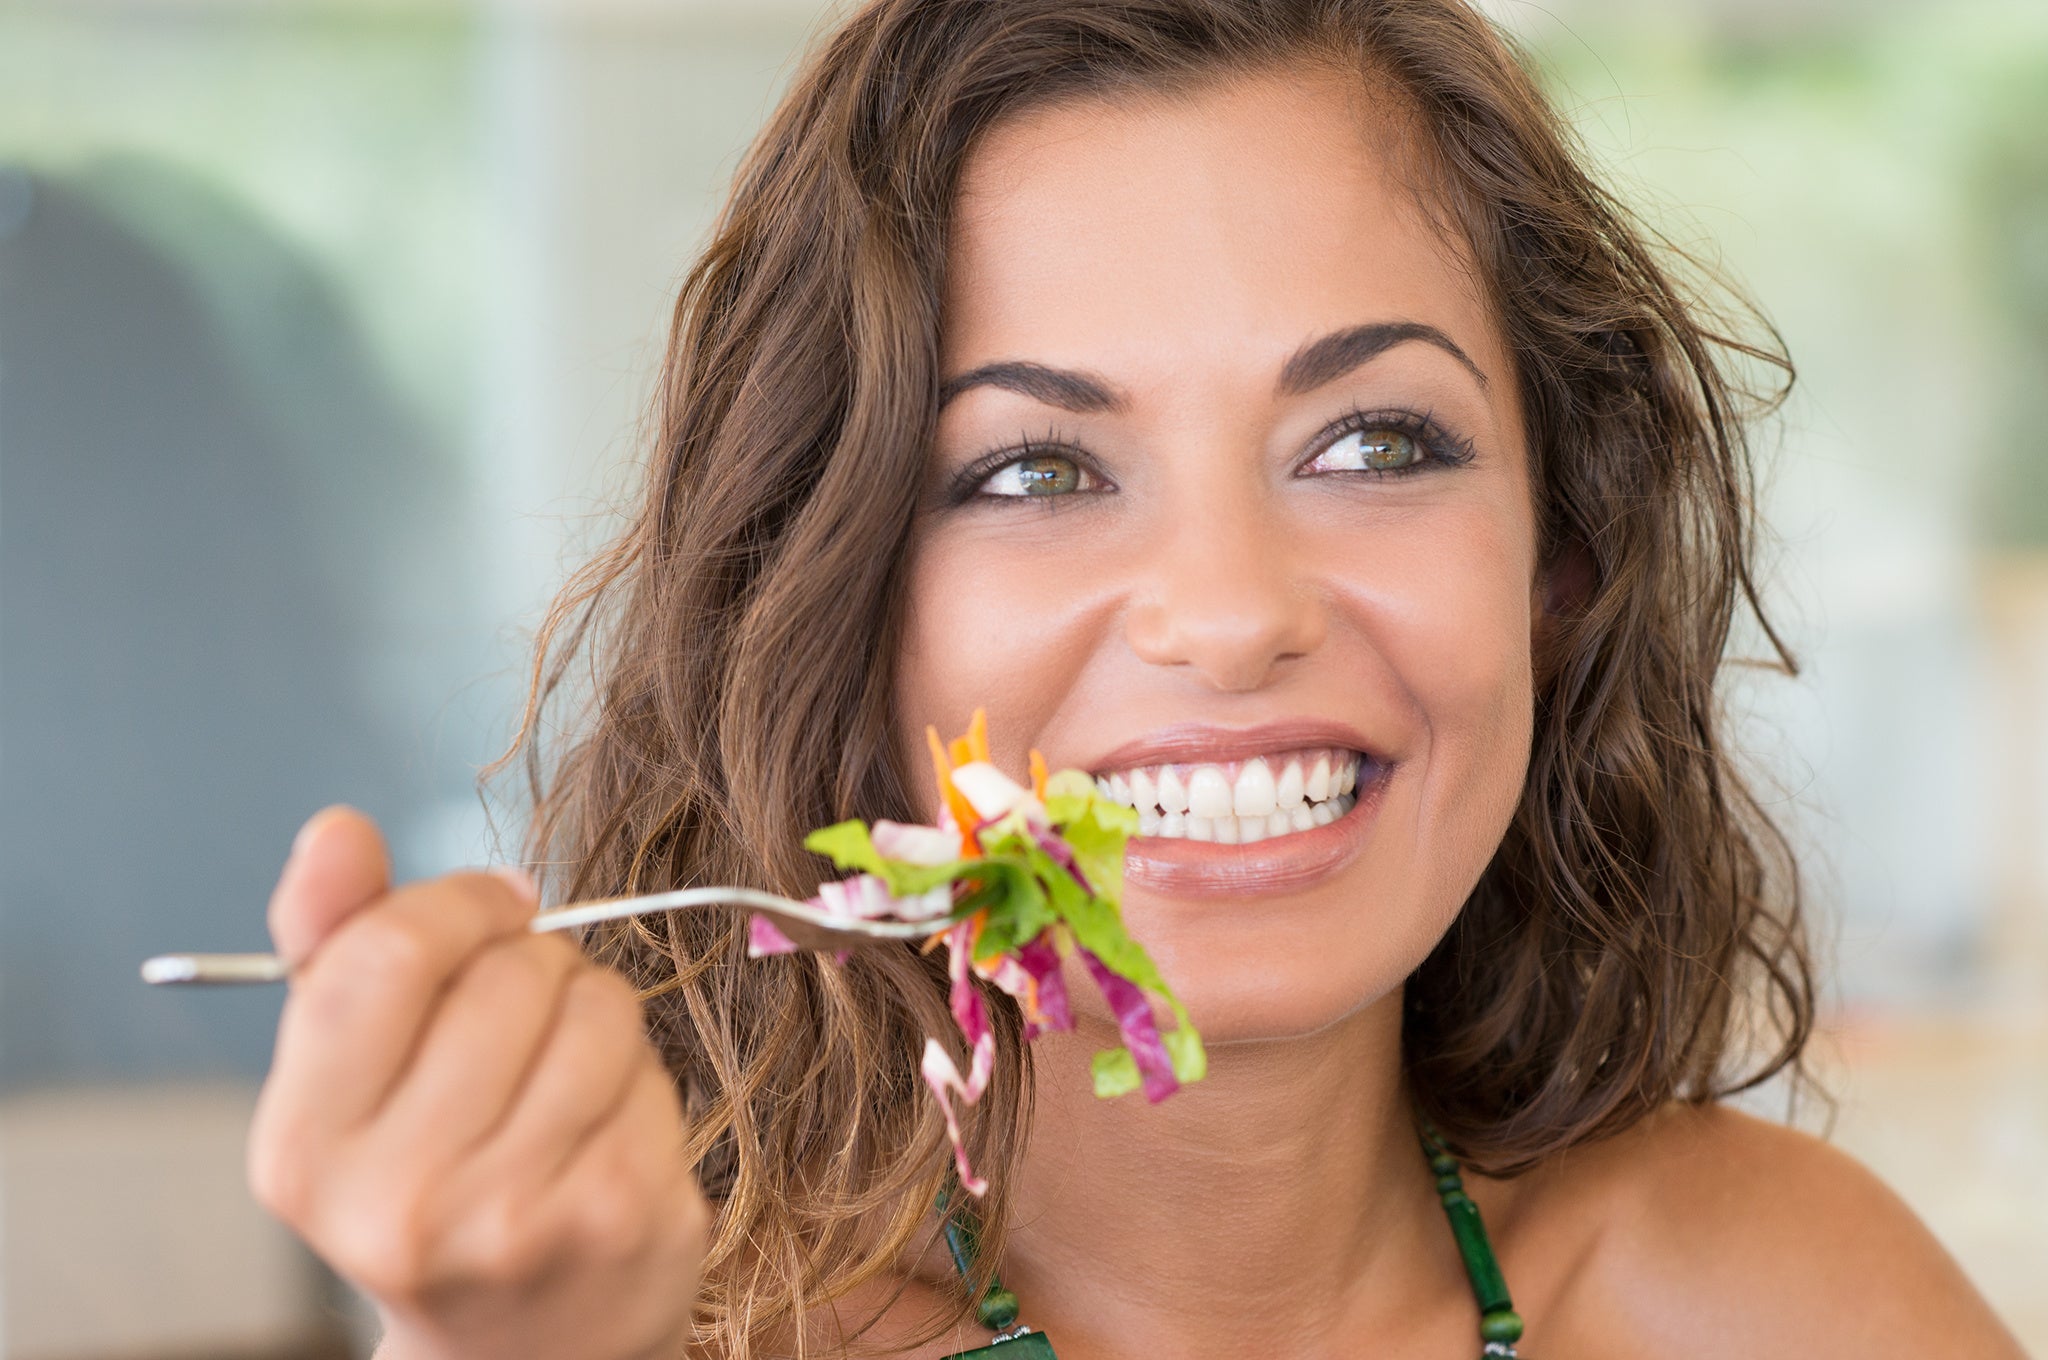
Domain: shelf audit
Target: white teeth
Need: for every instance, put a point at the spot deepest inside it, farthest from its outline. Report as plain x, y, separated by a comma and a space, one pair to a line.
1228, 830
1208, 793
1253, 796
1270, 796
1287, 793
1317, 785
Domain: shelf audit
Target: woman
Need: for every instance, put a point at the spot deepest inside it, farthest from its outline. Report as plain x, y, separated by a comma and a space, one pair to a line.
1209, 389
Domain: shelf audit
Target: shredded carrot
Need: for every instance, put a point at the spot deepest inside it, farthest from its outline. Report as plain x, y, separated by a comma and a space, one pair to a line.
956, 802
977, 735
1038, 775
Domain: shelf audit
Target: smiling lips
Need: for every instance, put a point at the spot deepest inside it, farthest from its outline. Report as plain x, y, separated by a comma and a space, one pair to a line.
1240, 802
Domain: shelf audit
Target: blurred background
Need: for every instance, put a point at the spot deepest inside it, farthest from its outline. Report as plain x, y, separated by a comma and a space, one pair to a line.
325, 334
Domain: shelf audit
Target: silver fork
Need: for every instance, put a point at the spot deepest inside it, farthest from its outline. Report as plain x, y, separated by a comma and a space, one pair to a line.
238, 968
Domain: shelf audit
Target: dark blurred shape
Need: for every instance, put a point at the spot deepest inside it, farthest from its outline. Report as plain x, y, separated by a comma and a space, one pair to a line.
199, 471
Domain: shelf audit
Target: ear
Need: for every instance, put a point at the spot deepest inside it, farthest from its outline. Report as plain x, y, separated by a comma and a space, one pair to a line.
1562, 587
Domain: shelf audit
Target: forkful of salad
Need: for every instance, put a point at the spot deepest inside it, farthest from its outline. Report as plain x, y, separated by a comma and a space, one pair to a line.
1014, 880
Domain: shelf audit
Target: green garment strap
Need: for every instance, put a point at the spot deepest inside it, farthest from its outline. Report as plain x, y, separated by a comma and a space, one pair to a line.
1500, 1327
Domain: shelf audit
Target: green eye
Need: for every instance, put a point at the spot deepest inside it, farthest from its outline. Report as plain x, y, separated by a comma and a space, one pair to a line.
1040, 475
1374, 449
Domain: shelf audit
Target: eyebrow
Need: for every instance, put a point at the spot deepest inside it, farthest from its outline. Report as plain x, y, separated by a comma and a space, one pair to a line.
1320, 361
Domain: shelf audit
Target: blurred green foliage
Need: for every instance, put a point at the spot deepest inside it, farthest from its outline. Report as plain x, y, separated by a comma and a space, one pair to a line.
1878, 176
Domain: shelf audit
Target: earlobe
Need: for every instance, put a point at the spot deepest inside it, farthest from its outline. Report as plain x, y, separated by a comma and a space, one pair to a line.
1563, 587
1566, 583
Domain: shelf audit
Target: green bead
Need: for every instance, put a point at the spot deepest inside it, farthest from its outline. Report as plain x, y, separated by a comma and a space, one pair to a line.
1446, 1185
1488, 1287
1501, 1325
1444, 1164
998, 1308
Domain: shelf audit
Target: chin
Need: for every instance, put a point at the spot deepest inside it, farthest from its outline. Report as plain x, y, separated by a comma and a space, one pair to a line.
1245, 983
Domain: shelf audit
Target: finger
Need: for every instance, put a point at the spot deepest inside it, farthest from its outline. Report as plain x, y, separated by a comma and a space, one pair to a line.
594, 1212
358, 1006
610, 1194
481, 1041
337, 867
597, 1048
606, 1202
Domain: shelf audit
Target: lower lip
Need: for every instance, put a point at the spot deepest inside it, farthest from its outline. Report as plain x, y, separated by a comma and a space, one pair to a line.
1177, 867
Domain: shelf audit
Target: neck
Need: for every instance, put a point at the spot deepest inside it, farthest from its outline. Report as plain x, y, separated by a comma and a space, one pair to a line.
1276, 1193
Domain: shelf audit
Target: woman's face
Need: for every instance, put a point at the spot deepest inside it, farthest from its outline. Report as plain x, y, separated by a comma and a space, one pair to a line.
1229, 505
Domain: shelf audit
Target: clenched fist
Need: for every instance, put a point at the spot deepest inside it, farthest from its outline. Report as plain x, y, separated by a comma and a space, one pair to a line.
466, 1118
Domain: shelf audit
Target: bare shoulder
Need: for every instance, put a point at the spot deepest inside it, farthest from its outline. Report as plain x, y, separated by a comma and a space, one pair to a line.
1708, 1232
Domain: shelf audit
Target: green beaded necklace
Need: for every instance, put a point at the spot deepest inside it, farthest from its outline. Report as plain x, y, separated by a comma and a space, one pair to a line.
1499, 1326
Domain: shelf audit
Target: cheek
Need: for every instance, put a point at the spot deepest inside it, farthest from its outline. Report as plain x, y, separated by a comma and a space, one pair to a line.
1017, 654
1453, 628
1460, 653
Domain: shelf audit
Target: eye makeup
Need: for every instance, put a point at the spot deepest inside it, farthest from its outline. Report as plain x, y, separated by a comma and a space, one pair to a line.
966, 484
1039, 458
1434, 446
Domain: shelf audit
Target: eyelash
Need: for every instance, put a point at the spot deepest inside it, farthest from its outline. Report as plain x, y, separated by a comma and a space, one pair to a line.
1439, 448
965, 484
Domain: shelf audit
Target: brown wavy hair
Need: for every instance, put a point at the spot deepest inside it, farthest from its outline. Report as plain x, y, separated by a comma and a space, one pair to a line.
726, 661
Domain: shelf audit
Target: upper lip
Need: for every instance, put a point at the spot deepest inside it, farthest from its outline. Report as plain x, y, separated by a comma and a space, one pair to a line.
1202, 743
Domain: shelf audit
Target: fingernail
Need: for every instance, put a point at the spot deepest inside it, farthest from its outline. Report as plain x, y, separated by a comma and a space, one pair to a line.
305, 836
521, 881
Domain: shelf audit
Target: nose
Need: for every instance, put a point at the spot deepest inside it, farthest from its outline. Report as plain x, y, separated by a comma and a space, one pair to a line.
1226, 597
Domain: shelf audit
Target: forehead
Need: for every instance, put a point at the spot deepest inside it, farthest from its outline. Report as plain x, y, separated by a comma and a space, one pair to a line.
1138, 234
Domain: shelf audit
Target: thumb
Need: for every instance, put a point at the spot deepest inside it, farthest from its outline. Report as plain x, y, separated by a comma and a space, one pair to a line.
338, 866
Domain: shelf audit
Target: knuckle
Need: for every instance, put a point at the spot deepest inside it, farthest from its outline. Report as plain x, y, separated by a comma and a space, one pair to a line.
503, 1246
552, 956
384, 945
384, 1248
514, 966
489, 895
691, 1218
559, 950
279, 1179
610, 1000
611, 1218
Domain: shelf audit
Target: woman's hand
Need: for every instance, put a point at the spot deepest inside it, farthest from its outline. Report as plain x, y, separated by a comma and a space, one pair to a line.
466, 1118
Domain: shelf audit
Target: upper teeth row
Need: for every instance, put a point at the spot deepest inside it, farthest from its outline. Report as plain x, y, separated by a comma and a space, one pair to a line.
1257, 787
